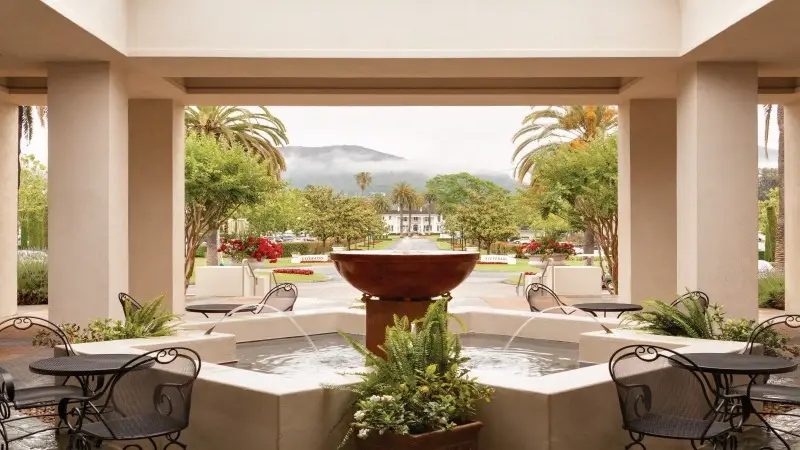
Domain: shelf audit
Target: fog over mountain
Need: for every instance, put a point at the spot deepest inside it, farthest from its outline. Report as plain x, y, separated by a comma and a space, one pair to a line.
335, 165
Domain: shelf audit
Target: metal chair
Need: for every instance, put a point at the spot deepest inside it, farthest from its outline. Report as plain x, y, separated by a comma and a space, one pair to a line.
282, 297
541, 289
775, 389
21, 390
698, 296
132, 304
150, 397
663, 394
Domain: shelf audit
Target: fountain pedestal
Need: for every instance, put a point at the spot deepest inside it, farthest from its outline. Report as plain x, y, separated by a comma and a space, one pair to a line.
380, 314
404, 283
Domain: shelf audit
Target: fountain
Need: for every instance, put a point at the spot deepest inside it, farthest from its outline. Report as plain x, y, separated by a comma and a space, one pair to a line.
401, 283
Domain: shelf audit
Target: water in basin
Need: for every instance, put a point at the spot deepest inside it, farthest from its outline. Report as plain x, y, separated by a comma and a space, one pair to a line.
293, 356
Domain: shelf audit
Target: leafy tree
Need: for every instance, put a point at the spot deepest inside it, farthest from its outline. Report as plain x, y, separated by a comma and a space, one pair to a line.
280, 210
220, 179
380, 203
354, 219
404, 196
33, 203
259, 133
526, 214
485, 217
579, 185
767, 180
363, 180
26, 118
450, 191
319, 215
780, 250
545, 130
770, 201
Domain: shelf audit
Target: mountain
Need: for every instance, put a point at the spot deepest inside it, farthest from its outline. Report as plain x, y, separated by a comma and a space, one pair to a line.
336, 165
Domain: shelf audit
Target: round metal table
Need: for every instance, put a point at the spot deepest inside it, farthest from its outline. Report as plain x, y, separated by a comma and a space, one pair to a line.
723, 366
84, 365
607, 307
217, 308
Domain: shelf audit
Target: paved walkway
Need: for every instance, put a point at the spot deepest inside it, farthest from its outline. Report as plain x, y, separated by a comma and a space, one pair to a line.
414, 244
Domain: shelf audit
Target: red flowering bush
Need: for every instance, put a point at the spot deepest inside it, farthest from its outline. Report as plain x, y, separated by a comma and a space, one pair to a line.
549, 247
295, 271
258, 248
530, 273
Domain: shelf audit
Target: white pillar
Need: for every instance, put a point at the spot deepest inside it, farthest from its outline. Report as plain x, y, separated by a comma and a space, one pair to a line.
8, 209
647, 205
88, 191
791, 192
156, 207
717, 171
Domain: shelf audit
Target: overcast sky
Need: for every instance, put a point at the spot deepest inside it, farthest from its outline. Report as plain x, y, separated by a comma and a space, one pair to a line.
477, 137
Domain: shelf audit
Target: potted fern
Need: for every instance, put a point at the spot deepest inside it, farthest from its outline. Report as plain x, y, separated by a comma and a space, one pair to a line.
421, 396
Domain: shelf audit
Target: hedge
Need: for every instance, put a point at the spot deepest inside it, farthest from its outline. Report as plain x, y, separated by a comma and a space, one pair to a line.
201, 252
304, 248
31, 282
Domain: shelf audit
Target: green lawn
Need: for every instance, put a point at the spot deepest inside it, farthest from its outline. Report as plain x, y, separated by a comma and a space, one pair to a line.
520, 266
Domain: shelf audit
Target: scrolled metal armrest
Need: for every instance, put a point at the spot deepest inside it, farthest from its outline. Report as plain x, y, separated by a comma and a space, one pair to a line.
6, 385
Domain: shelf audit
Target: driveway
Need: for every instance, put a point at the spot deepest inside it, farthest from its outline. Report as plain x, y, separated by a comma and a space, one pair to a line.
413, 244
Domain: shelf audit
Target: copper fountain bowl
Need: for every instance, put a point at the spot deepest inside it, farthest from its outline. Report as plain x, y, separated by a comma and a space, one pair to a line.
397, 275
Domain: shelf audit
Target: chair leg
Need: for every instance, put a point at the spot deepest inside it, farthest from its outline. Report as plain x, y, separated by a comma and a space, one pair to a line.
172, 440
637, 441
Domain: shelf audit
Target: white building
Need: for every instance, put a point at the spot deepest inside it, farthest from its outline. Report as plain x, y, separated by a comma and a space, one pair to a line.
421, 222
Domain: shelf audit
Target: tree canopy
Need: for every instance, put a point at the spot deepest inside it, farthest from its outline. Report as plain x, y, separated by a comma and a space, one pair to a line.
579, 185
33, 203
449, 191
280, 211
220, 179
484, 217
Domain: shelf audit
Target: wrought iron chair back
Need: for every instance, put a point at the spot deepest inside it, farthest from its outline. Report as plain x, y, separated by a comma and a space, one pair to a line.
150, 396
538, 291
786, 321
281, 297
663, 393
698, 296
25, 339
128, 303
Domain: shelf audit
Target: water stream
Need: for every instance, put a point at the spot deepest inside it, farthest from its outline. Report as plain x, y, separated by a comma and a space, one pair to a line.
258, 308
562, 308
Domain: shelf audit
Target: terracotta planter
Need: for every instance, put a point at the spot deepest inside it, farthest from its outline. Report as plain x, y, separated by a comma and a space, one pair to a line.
462, 437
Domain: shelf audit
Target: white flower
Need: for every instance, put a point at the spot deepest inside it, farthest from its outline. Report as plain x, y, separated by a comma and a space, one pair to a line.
443, 420
375, 398
387, 398
363, 433
359, 415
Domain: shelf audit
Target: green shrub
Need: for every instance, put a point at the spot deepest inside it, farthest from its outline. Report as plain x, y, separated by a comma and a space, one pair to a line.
201, 252
32, 281
689, 320
304, 248
150, 321
772, 291
761, 255
771, 234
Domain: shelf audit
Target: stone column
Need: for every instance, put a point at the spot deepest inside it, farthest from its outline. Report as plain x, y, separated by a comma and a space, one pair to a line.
8, 209
88, 191
717, 171
791, 190
156, 189
647, 221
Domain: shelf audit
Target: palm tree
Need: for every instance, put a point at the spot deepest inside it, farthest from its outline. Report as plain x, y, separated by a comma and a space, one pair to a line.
363, 180
404, 196
380, 204
26, 116
258, 132
780, 250
547, 129
430, 205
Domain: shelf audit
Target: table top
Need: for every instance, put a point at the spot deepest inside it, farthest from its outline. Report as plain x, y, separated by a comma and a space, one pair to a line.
82, 365
741, 364
220, 308
608, 306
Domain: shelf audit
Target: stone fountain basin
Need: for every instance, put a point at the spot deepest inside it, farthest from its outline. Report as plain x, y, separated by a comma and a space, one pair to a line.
398, 275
